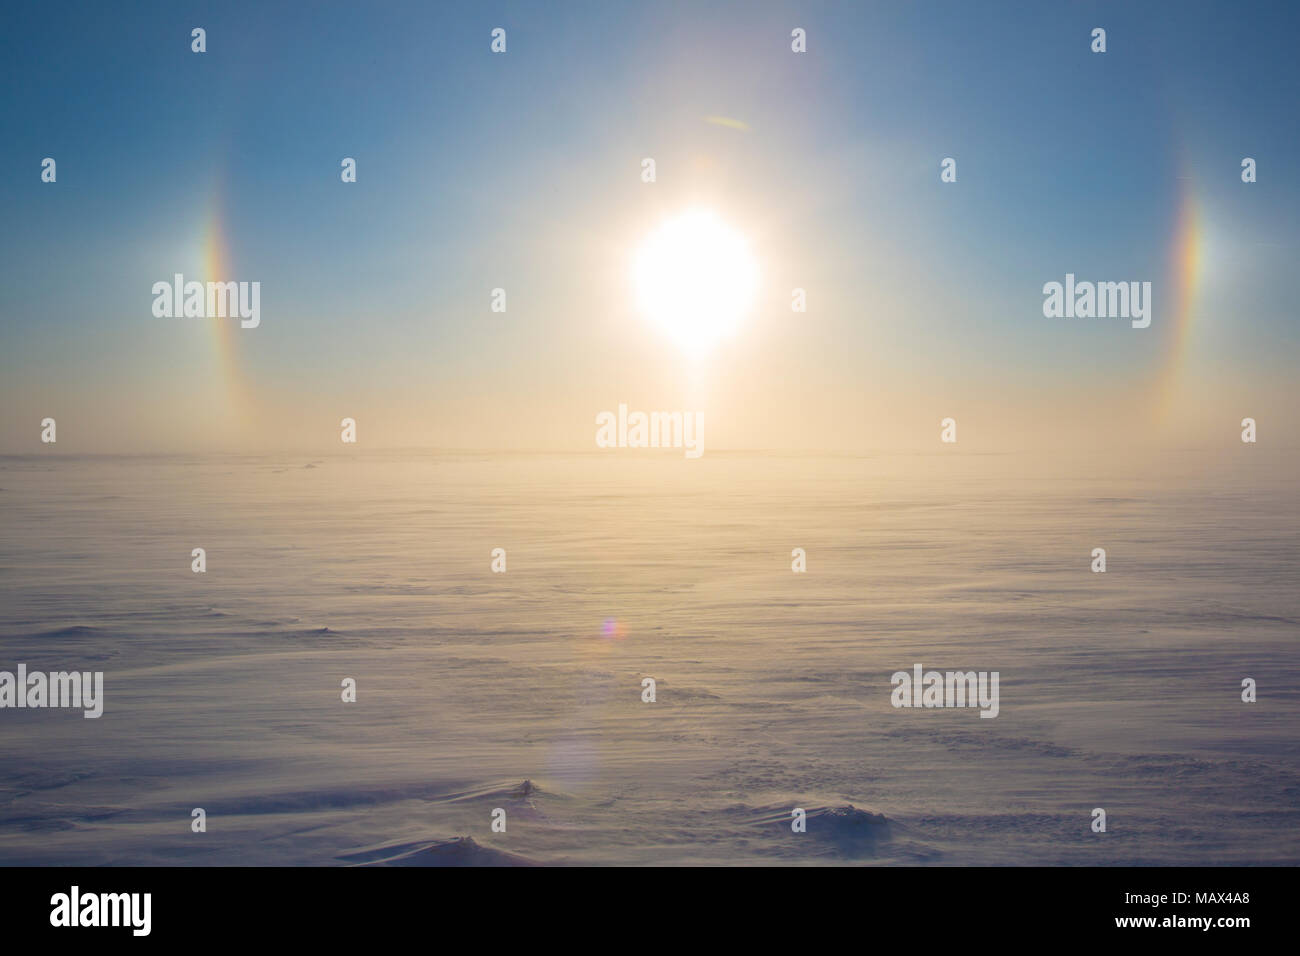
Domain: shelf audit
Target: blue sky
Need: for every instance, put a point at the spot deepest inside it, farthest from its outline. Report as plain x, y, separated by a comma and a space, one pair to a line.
521, 170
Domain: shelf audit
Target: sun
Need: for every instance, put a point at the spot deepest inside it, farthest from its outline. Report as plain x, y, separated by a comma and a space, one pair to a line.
695, 279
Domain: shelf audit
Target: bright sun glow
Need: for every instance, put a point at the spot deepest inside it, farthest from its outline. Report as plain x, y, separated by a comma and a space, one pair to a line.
695, 279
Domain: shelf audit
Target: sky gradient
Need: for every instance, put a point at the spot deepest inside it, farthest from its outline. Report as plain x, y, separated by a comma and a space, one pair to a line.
522, 171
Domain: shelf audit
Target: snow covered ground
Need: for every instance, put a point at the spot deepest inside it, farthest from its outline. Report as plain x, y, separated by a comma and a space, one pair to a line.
522, 691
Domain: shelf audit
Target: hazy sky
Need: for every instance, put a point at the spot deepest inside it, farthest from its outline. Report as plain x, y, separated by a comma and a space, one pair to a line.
522, 170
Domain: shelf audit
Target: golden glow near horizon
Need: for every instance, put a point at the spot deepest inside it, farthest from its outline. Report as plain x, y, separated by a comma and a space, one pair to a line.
695, 279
